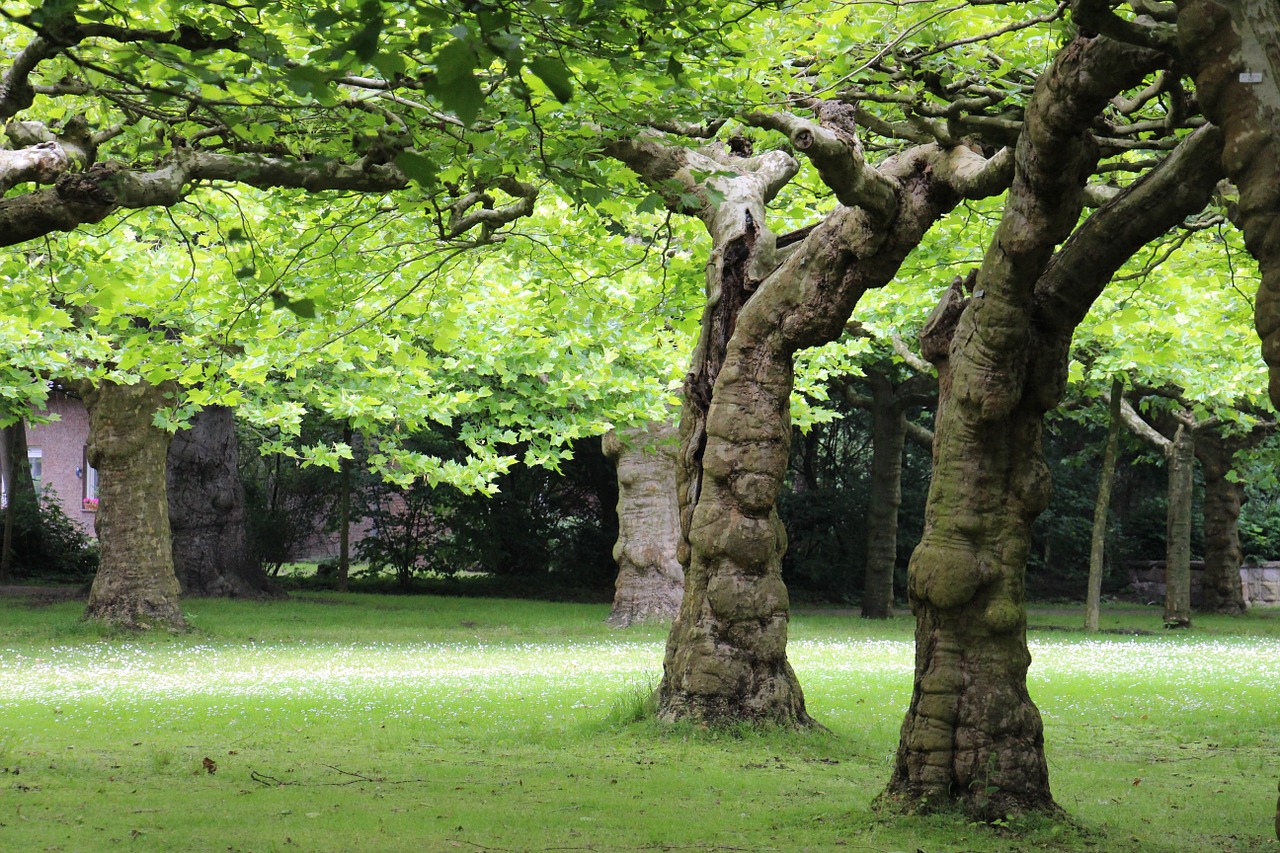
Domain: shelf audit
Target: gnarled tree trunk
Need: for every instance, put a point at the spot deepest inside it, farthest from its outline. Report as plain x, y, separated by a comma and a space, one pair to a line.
650, 580
726, 654
972, 736
135, 586
211, 551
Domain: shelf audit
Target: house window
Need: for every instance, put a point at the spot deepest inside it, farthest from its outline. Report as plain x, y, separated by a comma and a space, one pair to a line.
35, 456
90, 483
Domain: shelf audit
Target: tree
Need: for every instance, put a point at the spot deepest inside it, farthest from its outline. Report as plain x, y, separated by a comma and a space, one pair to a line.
135, 586
19, 490
1224, 494
890, 428
1229, 48
650, 580
212, 554
1179, 451
1097, 545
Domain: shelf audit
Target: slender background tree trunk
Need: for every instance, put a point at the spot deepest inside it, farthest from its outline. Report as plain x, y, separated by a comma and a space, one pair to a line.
1181, 459
889, 435
1107, 478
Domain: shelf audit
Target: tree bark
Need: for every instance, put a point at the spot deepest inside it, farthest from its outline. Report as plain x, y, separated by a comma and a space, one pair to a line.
1107, 478
211, 551
19, 487
1181, 459
1233, 52
889, 436
135, 586
344, 516
726, 654
650, 580
972, 736
1221, 515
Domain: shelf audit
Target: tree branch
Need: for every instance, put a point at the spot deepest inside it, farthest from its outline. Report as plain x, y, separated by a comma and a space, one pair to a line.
837, 155
91, 196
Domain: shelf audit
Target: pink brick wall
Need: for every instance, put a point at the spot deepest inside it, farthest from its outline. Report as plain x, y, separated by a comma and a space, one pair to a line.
61, 446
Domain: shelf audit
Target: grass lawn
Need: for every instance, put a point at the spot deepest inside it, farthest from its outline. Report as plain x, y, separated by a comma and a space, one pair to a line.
383, 723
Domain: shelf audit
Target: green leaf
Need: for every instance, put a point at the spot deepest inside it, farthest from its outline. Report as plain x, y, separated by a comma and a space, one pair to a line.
422, 170
555, 75
457, 86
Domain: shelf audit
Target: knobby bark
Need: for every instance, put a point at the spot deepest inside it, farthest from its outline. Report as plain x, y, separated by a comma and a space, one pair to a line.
135, 586
650, 580
1101, 507
972, 736
1233, 51
726, 655
211, 551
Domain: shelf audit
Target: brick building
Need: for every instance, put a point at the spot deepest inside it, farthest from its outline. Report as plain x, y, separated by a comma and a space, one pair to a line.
57, 454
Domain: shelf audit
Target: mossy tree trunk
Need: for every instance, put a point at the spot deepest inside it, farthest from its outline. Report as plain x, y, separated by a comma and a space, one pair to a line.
211, 551
1101, 508
650, 580
1233, 51
135, 586
726, 655
972, 736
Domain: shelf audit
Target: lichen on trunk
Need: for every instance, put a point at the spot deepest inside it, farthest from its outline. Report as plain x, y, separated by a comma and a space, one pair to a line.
135, 586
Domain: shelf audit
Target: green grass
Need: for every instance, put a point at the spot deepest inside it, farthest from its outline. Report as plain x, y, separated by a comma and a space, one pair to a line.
389, 723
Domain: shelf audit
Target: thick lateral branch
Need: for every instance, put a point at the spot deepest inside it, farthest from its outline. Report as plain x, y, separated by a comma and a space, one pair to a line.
837, 155
41, 164
90, 196
1177, 188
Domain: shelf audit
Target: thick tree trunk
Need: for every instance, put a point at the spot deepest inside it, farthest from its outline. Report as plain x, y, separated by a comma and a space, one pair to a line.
650, 579
20, 489
135, 586
972, 737
211, 551
1181, 459
1222, 501
1233, 51
726, 655
1107, 478
889, 435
